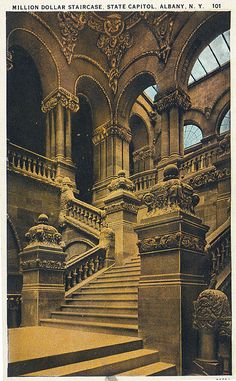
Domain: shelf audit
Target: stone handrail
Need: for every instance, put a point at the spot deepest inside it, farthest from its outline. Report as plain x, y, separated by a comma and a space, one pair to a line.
85, 214
81, 267
144, 180
200, 159
30, 163
219, 249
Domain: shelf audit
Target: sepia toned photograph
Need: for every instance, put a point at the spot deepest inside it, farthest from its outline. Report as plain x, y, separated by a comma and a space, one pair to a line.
118, 194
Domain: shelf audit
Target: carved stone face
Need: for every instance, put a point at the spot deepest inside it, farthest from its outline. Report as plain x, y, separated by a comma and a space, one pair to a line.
113, 25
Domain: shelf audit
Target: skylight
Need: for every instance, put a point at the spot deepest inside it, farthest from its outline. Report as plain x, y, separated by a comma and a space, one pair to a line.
151, 91
192, 135
225, 124
215, 55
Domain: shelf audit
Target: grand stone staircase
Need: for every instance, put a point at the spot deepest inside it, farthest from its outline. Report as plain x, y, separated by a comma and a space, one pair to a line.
106, 312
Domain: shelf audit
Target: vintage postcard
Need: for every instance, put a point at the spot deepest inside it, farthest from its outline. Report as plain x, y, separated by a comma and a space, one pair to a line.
116, 251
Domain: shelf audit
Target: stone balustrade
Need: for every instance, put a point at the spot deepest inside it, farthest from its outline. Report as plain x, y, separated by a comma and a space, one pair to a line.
30, 163
199, 160
144, 180
82, 267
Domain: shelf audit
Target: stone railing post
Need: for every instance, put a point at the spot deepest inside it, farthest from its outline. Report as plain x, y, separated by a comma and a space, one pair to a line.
171, 245
212, 319
121, 207
42, 262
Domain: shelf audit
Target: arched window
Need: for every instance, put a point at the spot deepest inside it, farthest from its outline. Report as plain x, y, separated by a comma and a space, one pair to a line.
225, 123
192, 135
215, 55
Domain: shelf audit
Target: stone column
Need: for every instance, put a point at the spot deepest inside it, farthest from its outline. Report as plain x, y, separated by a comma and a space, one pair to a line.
121, 208
171, 245
170, 105
60, 104
42, 262
48, 137
212, 319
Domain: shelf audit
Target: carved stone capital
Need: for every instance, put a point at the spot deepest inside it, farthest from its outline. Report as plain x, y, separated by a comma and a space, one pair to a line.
44, 235
121, 132
212, 312
143, 153
63, 97
121, 182
171, 194
175, 240
173, 98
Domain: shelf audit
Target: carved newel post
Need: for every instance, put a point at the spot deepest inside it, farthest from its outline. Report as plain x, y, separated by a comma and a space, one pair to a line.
42, 263
212, 319
121, 208
171, 245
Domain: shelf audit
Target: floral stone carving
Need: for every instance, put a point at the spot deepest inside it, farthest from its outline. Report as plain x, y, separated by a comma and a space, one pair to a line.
212, 312
171, 194
43, 234
121, 182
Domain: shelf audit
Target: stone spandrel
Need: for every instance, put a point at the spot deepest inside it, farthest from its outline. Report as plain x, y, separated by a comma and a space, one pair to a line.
171, 194
44, 234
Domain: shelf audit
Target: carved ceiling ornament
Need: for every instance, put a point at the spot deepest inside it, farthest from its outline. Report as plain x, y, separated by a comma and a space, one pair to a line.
171, 194
115, 38
162, 27
62, 96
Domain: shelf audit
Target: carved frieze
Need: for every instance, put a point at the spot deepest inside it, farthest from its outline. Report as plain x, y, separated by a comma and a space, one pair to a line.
43, 234
162, 27
42, 264
172, 241
171, 194
62, 96
174, 98
208, 178
119, 206
212, 312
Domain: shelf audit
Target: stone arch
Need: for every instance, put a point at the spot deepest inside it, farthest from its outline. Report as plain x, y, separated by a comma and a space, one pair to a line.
100, 103
135, 86
200, 34
41, 55
220, 107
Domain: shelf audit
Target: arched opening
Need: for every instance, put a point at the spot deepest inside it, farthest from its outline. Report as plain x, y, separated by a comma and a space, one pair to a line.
25, 121
225, 123
139, 145
82, 149
192, 135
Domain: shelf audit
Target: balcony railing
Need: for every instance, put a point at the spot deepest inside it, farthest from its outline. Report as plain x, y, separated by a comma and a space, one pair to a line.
144, 180
30, 163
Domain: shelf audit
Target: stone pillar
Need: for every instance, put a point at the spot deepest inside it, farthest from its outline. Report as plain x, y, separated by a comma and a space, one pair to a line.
121, 208
48, 138
42, 262
170, 105
111, 154
212, 319
171, 245
59, 105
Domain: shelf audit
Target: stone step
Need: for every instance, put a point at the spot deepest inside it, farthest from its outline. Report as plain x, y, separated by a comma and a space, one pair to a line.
129, 271
108, 328
106, 282
122, 276
104, 302
156, 369
105, 366
95, 317
95, 308
110, 295
47, 347
130, 266
110, 288
135, 259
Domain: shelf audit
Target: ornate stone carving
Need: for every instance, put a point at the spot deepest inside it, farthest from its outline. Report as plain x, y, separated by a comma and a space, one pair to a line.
106, 130
143, 153
212, 312
63, 97
132, 208
225, 145
161, 27
171, 241
42, 264
67, 196
208, 178
9, 61
171, 194
174, 98
43, 234
121, 182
